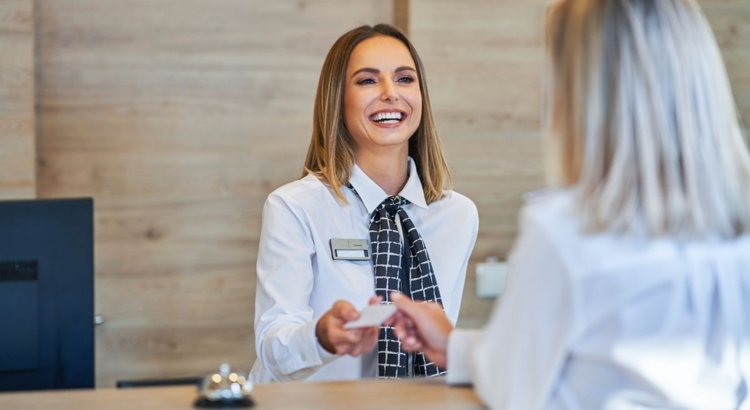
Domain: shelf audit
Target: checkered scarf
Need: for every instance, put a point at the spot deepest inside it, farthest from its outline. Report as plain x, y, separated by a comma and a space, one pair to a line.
390, 262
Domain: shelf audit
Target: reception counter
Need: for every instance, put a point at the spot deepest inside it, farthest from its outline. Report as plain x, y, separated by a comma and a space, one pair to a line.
366, 394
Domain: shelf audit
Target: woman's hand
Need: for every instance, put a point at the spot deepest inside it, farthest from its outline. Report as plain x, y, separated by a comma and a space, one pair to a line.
421, 327
335, 339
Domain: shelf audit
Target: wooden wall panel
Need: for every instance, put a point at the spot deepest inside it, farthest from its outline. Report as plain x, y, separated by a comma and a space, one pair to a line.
179, 117
484, 62
730, 21
17, 152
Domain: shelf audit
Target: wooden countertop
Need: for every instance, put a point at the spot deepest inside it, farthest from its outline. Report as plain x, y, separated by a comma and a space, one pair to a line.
364, 394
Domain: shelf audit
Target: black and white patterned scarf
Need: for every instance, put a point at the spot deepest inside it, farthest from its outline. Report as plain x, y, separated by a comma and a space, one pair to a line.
406, 269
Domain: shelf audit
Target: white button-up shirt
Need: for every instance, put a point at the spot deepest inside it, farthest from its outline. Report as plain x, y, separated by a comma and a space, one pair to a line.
298, 281
601, 321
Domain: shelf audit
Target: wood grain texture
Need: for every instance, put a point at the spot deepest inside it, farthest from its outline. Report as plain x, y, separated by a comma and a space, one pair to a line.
370, 394
484, 62
17, 144
179, 117
401, 17
730, 21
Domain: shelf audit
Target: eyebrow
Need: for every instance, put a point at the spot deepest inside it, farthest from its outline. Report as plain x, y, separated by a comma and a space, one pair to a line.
376, 71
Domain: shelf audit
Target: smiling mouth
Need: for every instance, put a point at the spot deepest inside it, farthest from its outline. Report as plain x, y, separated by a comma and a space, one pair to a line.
388, 117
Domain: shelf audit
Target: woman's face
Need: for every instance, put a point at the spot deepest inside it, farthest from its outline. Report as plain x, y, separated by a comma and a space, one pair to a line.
382, 100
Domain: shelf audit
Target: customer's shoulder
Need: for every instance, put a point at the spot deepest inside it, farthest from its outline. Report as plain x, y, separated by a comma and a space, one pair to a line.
553, 219
549, 209
549, 219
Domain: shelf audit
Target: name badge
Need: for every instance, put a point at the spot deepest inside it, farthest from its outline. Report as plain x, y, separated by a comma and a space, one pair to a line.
350, 249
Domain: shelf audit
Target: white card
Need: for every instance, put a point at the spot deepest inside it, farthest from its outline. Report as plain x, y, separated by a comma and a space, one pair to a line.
372, 315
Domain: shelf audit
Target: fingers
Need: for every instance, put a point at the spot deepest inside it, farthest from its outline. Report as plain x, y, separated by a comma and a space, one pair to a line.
421, 326
354, 349
411, 344
344, 311
405, 335
404, 329
344, 340
366, 339
391, 321
409, 324
405, 304
350, 341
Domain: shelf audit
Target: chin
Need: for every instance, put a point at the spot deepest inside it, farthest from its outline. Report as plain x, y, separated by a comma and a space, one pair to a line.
392, 141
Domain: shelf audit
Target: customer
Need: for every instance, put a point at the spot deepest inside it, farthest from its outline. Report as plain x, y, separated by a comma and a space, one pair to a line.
630, 285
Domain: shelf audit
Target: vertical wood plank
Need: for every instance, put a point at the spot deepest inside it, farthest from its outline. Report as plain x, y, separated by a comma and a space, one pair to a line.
730, 21
401, 15
17, 144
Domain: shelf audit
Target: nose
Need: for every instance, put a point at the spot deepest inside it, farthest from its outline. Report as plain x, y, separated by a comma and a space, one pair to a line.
389, 93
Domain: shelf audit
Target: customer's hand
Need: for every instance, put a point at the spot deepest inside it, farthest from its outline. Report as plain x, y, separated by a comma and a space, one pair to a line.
421, 327
335, 339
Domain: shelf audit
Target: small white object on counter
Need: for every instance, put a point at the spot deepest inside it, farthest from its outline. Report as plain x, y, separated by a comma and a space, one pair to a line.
491, 276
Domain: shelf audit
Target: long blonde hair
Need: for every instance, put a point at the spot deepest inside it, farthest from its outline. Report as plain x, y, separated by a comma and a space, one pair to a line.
643, 119
331, 154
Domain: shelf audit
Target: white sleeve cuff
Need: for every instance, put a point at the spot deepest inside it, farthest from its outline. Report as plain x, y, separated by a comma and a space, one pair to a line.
323, 354
309, 358
461, 344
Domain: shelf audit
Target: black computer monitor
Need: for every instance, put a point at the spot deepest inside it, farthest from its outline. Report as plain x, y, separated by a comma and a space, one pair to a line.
46, 294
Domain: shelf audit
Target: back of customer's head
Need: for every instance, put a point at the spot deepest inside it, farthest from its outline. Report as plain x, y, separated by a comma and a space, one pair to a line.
643, 121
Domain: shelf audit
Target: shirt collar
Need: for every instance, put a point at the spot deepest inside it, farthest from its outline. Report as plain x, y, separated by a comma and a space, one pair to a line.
373, 195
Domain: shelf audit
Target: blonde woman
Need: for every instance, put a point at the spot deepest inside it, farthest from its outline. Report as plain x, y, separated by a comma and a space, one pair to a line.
630, 285
371, 215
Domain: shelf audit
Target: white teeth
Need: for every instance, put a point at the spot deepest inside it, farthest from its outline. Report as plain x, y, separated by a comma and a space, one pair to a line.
387, 117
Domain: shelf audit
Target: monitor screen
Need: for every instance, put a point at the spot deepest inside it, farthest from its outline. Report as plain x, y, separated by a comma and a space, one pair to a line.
46, 294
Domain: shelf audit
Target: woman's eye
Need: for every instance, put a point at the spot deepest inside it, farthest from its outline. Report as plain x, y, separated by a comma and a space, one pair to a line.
366, 81
407, 80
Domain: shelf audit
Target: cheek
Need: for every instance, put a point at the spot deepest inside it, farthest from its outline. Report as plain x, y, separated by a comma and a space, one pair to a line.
355, 105
350, 109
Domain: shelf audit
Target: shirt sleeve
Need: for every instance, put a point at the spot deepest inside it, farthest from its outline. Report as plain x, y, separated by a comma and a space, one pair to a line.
458, 287
517, 359
285, 339
460, 345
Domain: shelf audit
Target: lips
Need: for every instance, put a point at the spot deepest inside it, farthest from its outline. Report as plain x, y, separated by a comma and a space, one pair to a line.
388, 117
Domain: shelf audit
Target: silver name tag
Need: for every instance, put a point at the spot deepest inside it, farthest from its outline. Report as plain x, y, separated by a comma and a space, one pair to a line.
350, 249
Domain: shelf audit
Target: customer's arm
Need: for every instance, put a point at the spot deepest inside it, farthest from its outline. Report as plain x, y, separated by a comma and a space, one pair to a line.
516, 361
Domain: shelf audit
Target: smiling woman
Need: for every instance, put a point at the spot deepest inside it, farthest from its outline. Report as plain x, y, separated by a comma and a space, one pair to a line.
375, 172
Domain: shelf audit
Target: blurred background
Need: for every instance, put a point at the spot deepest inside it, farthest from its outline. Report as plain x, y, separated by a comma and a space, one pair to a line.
179, 117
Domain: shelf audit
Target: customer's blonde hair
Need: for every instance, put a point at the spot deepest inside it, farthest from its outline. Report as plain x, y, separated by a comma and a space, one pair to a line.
332, 150
643, 120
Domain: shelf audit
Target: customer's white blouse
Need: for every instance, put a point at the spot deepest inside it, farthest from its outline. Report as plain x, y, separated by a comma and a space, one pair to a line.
611, 322
298, 281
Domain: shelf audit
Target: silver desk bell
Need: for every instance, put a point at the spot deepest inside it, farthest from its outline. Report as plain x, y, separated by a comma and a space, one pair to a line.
225, 389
